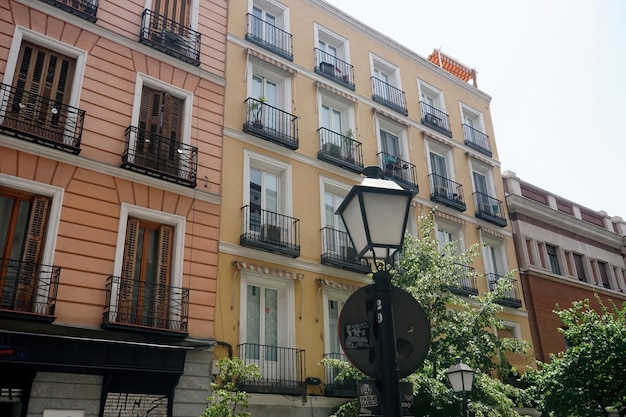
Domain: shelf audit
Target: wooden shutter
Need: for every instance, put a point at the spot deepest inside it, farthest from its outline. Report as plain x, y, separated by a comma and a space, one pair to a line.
27, 284
126, 287
176, 10
161, 301
149, 127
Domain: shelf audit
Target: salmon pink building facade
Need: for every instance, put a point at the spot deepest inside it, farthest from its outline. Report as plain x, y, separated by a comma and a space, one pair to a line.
110, 171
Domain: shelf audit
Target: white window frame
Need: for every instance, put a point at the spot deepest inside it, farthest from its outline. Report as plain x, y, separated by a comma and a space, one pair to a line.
500, 254
331, 294
193, 12
21, 34
341, 44
443, 151
286, 296
454, 229
473, 114
281, 78
54, 209
345, 108
513, 326
424, 89
279, 11
395, 129
176, 272
330, 186
487, 172
392, 71
267, 164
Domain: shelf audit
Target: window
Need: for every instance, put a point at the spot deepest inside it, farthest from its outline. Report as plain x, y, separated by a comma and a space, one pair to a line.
438, 166
431, 98
271, 84
388, 76
148, 263
604, 274
494, 256
29, 219
472, 119
177, 11
269, 27
334, 301
553, 259
332, 49
391, 139
529, 251
484, 189
335, 114
336, 239
580, 268
448, 232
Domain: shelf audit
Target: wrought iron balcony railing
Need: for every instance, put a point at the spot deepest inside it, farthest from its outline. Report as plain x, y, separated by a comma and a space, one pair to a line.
511, 298
86, 9
271, 123
446, 192
40, 119
282, 369
170, 37
270, 37
402, 172
389, 96
489, 209
465, 280
477, 140
337, 250
269, 231
160, 156
145, 306
340, 150
334, 68
435, 119
338, 388
28, 290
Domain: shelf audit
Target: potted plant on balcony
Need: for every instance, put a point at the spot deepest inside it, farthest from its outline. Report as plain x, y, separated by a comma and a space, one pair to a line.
256, 110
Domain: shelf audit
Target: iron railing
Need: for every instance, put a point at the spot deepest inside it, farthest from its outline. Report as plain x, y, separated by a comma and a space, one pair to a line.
340, 150
389, 96
28, 287
337, 250
170, 37
403, 172
334, 68
435, 119
511, 297
271, 123
269, 37
337, 388
489, 208
446, 192
86, 9
39, 119
477, 140
465, 280
281, 368
131, 302
160, 156
270, 231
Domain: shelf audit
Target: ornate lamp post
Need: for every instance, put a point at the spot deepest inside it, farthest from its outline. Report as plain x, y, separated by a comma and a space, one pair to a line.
375, 214
461, 378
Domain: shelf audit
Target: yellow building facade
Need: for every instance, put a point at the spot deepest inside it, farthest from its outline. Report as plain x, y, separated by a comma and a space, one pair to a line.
312, 97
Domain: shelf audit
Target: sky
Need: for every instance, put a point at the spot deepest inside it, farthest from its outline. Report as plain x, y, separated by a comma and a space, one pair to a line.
556, 72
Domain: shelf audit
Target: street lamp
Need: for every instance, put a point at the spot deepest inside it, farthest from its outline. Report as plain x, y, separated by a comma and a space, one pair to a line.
375, 214
461, 378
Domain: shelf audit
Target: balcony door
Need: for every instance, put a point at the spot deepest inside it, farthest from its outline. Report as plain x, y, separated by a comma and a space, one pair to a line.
145, 280
42, 86
264, 205
174, 10
267, 89
440, 179
264, 26
337, 240
480, 185
22, 228
159, 134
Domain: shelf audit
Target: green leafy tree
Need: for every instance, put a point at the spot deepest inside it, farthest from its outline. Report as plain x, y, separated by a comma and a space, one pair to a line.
589, 378
459, 330
227, 400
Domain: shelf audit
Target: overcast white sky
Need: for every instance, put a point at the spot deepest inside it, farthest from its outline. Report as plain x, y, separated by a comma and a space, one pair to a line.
556, 72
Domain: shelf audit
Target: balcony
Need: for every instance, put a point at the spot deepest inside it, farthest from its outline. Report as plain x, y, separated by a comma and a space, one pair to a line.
270, 123
269, 37
389, 96
269, 231
489, 209
170, 37
282, 369
145, 307
337, 251
85, 9
340, 150
28, 290
446, 192
435, 119
40, 119
465, 281
511, 298
160, 157
477, 140
334, 69
332, 388
402, 172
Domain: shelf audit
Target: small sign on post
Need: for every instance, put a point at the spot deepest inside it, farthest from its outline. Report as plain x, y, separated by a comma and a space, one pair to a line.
370, 399
356, 336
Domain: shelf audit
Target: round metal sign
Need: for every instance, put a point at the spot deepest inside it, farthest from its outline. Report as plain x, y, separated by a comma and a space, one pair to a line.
357, 331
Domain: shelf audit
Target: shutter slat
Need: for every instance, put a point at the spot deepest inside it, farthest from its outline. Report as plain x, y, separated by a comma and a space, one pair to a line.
125, 298
161, 307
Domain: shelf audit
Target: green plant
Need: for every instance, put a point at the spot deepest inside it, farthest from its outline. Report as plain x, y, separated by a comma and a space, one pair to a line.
227, 400
256, 107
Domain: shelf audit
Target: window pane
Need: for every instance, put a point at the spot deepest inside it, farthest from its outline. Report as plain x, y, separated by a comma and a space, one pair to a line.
271, 192
253, 319
333, 320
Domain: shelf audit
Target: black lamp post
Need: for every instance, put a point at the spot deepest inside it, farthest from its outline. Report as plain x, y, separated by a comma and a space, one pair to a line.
461, 378
375, 214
